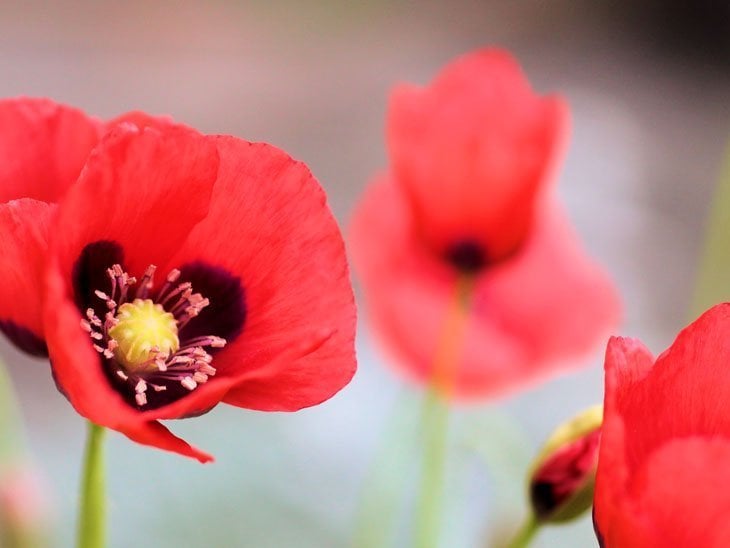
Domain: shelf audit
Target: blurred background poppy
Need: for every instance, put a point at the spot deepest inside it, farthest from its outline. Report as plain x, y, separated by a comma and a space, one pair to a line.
649, 88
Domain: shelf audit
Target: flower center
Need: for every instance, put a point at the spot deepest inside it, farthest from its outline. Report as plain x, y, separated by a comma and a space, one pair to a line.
140, 338
144, 329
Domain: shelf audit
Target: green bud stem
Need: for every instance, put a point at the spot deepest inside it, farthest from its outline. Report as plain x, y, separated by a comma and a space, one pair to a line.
526, 533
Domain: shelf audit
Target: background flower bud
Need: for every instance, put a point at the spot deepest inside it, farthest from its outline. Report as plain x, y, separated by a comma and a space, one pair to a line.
563, 475
23, 509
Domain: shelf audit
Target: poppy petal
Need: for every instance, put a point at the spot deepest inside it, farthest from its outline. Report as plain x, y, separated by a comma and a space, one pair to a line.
24, 229
205, 396
551, 297
685, 398
270, 227
78, 372
472, 149
142, 120
156, 435
128, 194
43, 146
627, 362
662, 509
516, 330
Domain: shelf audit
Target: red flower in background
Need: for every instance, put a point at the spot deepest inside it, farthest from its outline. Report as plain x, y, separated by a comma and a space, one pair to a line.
663, 474
202, 269
468, 195
43, 146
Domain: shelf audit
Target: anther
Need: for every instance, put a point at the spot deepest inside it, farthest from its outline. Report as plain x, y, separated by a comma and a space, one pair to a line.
139, 336
189, 383
173, 276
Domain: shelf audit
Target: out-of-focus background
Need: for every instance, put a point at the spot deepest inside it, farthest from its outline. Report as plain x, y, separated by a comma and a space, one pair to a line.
649, 88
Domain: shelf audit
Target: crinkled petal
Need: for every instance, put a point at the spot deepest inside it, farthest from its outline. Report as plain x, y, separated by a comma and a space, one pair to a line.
472, 150
686, 391
24, 229
271, 228
141, 120
680, 497
662, 476
141, 189
223, 387
144, 190
627, 362
43, 146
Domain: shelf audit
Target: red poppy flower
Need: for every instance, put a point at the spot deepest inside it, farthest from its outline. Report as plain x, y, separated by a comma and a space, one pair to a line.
663, 474
185, 270
43, 146
468, 195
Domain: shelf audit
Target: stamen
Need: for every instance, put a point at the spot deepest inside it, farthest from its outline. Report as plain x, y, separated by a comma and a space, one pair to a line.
138, 335
179, 289
147, 282
189, 383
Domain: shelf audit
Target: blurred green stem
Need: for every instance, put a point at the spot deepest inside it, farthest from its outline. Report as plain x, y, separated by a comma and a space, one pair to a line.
436, 416
92, 516
11, 439
13, 460
435, 421
526, 533
713, 275
385, 485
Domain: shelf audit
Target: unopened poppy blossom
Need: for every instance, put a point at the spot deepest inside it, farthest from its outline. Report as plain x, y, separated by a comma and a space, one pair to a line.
562, 478
184, 270
663, 474
468, 196
43, 147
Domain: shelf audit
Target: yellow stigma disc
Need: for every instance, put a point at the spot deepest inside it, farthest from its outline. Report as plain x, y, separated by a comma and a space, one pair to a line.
143, 325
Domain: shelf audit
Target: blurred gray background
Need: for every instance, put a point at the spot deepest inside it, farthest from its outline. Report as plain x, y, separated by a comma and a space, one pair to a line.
649, 90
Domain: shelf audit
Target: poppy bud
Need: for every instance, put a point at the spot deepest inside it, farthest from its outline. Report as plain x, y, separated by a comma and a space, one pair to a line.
23, 509
563, 475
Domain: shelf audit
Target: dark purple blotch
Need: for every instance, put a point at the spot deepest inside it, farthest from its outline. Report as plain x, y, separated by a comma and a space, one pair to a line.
24, 338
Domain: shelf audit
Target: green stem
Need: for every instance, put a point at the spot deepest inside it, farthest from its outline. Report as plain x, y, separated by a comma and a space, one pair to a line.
526, 533
436, 416
11, 438
385, 485
435, 419
713, 270
92, 517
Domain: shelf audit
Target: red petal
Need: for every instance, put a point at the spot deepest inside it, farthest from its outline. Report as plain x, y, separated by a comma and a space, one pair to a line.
277, 369
627, 363
78, 372
472, 149
685, 393
269, 225
156, 435
143, 190
24, 229
43, 146
550, 297
546, 304
142, 120
680, 497
665, 440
